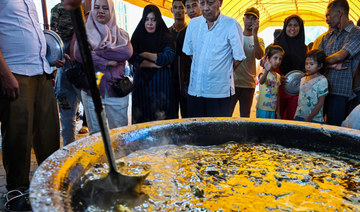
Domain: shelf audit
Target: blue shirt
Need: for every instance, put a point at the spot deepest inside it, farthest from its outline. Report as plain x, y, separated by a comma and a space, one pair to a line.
22, 41
213, 52
341, 82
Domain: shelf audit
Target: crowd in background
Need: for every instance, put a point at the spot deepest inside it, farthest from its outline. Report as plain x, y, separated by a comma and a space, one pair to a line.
201, 69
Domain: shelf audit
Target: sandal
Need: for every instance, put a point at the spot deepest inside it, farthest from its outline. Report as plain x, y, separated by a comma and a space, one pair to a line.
83, 130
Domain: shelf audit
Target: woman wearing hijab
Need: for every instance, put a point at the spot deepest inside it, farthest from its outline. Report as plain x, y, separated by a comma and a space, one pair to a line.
292, 40
111, 48
153, 55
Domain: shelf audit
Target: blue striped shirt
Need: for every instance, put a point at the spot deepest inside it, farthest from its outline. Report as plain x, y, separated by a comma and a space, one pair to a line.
341, 82
22, 41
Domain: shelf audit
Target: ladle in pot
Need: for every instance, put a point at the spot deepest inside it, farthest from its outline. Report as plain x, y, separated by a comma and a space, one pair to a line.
114, 182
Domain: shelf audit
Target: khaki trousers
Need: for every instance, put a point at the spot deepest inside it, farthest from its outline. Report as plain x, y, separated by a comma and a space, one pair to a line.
31, 120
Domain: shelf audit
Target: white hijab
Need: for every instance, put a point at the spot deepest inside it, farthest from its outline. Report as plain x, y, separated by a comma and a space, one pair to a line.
105, 36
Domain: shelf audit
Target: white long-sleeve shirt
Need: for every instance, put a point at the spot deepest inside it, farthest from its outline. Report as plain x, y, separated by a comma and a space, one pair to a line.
213, 52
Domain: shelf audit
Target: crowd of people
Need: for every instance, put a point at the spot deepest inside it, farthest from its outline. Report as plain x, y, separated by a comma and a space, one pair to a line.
202, 68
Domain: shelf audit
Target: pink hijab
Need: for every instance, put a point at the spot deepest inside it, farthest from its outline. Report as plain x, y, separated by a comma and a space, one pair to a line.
105, 36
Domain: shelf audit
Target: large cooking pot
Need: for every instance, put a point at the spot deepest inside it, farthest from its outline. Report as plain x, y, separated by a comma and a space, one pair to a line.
57, 177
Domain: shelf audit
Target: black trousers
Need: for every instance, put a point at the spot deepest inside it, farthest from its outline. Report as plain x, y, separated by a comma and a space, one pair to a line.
245, 97
208, 107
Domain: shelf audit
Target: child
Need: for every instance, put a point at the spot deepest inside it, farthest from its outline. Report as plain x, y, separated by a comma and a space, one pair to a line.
269, 81
313, 89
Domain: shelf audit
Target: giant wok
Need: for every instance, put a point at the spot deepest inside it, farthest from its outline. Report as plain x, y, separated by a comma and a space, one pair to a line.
57, 177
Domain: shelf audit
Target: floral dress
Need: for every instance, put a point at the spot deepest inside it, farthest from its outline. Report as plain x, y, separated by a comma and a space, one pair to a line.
309, 94
269, 93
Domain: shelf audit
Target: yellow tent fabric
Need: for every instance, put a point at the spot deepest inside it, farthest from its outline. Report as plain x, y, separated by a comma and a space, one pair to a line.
272, 12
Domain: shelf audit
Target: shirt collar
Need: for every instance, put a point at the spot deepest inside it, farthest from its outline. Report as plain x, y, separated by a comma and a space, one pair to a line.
348, 28
215, 22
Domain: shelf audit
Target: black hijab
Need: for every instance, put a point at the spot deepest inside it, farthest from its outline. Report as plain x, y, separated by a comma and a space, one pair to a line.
142, 41
294, 47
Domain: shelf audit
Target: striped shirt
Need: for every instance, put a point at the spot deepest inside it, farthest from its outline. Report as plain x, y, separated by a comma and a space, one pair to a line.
22, 41
340, 82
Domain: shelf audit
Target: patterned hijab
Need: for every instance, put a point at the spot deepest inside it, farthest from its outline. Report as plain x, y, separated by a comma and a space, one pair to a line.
105, 36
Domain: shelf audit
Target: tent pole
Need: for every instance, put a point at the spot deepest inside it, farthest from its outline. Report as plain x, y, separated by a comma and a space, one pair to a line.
44, 10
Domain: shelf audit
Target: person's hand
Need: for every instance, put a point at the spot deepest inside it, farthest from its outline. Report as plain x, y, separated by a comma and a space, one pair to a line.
267, 64
338, 66
262, 62
143, 54
307, 119
112, 63
156, 66
58, 63
283, 79
10, 87
67, 57
255, 27
71, 4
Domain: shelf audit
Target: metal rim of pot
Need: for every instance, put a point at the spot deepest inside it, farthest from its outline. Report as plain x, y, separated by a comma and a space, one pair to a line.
50, 188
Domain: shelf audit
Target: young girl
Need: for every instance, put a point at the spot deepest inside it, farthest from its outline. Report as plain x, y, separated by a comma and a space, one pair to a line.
269, 81
313, 89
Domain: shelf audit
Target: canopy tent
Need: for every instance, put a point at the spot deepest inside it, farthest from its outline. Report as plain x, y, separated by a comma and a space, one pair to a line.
272, 12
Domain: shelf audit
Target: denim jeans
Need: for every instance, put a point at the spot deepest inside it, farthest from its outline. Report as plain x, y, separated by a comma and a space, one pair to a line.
68, 116
61, 82
116, 114
64, 90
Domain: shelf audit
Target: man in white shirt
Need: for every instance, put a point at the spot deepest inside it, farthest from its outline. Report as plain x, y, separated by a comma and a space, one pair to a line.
215, 42
28, 110
245, 74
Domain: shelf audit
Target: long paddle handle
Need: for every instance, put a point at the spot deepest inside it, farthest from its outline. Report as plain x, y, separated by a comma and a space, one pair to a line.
77, 18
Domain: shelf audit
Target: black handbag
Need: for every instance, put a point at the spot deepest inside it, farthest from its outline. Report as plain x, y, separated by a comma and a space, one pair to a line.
77, 76
123, 87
